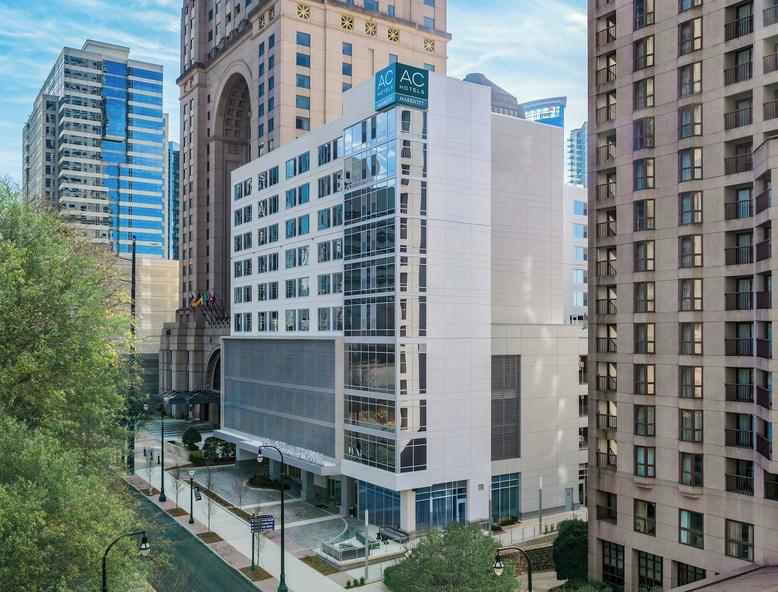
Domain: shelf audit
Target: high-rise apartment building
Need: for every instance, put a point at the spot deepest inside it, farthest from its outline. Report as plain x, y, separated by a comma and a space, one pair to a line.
684, 119
256, 74
578, 156
93, 147
172, 204
397, 309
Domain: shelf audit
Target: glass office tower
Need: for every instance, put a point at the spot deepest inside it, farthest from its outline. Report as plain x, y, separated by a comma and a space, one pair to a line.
94, 147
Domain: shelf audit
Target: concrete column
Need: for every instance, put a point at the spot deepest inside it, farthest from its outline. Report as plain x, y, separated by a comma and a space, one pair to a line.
242, 454
307, 487
408, 510
274, 468
347, 497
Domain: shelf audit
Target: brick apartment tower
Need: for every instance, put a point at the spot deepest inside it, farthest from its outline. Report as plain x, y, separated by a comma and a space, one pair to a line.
256, 74
683, 116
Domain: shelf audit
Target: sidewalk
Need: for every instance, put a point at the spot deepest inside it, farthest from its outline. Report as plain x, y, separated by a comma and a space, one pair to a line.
235, 532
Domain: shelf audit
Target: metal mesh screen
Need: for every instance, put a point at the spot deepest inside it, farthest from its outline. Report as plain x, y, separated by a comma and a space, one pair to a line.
282, 389
506, 407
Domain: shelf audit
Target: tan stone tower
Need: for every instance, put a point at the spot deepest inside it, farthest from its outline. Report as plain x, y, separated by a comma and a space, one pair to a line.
255, 75
683, 119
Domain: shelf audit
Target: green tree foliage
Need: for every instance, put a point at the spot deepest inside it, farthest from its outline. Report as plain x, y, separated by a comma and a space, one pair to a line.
570, 551
190, 437
218, 450
63, 325
455, 559
64, 372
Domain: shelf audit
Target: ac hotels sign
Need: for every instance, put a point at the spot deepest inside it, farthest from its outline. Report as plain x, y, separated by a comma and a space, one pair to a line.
401, 84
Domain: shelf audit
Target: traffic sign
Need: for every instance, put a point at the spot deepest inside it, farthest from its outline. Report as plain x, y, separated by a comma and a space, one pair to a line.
198, 496
263, 523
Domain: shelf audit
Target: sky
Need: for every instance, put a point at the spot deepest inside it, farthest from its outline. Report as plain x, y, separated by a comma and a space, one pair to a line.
532, 49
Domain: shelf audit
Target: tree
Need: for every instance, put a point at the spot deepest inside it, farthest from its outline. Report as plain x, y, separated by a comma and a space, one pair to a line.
239, 488
178, 481
218, 450
209, 502
64, 375
57, 518
455, 559
570, 550
191, 437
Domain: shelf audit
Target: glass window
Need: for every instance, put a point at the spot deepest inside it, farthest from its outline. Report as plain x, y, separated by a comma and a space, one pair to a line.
440, 504
347, 49
690, 528
689, 121
643, 214
303, 102
690, 294
643, 53
690, 338
690, 79
580, 208
303, 39
645, 517
645, 461
690, 208
643, 174
644, 13
505, 496
690, 36
643, 93
303, 60
690, 467
303, 81
613, 565
690, 421
690, 164
649, 571
645, 381
739, 537
690, 250
644, 338
644, 255
688, 574
645, 421
690, 378
643, 133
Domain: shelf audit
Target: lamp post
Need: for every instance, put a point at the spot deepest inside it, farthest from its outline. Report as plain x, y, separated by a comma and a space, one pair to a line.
282, 579
162, 497
191, 497
498, 565
144, 548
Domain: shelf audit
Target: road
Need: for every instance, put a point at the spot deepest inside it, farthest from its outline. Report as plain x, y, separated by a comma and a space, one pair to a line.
192, 567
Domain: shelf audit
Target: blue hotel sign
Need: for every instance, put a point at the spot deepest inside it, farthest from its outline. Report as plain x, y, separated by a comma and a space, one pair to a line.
401, 84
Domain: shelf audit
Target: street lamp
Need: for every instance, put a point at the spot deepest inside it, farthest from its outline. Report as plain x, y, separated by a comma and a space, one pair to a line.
282, 580
498, 566
191, 497
162, 497
144, 549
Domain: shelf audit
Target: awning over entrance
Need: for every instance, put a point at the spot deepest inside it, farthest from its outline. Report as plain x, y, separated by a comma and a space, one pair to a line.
189, 397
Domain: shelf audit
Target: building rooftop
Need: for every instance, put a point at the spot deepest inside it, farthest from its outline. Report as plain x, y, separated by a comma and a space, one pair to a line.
500, 96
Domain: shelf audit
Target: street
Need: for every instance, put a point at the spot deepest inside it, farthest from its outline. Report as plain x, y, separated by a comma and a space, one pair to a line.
192, 566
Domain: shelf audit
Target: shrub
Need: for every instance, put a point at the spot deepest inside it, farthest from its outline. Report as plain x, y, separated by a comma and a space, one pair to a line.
348, 584
362, 581
570, 551
506, 521
197, 458
191, 437
266, 482
217, 450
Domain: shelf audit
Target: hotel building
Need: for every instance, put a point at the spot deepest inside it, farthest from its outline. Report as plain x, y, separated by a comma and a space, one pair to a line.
396, 309
683, 119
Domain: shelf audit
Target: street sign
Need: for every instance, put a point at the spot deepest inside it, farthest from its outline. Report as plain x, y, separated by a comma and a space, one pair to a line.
197, 494
263, 523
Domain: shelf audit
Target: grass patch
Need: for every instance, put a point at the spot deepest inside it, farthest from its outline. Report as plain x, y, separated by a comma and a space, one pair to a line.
256, 575
210, 537
319, 565
178, 512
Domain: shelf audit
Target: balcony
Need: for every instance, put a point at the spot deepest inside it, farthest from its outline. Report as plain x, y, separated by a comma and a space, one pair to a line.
770, 16
738, 73
771, 490
606, 422
606, 36
764, 300
606, 153
739, 163
606, 229
739, 28
739, 438
606, 384
763, 250
763, 201
606, 75
606, 307
606, 460
764, 349
605, 268
764, 398
770, 63
738, 210
764, 447
739, 118
739, 255
606, 191
606, 113
740, 484
739, 301
739, 347
606, 345
606, 513
770, 110
741, 393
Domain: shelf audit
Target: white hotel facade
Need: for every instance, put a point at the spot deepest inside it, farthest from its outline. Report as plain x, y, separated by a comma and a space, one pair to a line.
398, 312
